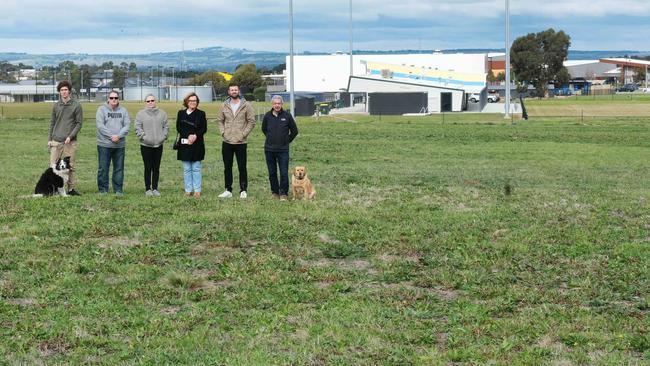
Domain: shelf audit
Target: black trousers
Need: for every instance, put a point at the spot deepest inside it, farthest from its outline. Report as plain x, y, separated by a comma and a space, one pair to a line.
228, 151
151, 157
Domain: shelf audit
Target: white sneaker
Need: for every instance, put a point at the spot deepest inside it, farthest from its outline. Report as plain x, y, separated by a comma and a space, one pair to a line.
226, 194
155, 193
148, 193
243, 194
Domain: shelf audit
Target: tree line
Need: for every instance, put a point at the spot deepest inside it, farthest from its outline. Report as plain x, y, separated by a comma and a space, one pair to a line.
247, 76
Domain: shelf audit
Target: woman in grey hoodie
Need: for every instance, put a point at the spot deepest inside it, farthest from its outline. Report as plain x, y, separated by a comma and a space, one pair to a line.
151, 126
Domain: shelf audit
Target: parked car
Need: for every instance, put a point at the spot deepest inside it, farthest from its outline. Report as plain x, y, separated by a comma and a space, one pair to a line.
628, 88
491, 98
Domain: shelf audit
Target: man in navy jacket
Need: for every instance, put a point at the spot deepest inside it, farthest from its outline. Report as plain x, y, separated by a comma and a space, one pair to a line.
280, 129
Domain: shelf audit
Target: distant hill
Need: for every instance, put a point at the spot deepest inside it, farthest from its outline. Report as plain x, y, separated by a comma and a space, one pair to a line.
227, 59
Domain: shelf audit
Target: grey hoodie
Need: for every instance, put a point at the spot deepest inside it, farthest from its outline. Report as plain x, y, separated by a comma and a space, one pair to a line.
151, 126
112, 122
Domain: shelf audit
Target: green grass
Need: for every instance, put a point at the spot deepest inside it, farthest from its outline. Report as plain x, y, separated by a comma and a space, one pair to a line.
473, 241
44, 110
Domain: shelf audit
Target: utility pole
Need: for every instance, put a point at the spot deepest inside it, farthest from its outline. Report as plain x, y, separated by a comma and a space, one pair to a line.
351, 60
291, 91
507, 107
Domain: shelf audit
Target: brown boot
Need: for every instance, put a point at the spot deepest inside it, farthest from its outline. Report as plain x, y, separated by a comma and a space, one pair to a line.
275, 196
283, 197
197, 194
188, 194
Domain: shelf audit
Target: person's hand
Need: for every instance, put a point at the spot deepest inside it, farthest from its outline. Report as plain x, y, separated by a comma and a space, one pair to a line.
115, 139
67, 140
191, 139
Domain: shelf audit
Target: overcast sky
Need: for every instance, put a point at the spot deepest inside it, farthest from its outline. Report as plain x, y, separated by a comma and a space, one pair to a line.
127, 26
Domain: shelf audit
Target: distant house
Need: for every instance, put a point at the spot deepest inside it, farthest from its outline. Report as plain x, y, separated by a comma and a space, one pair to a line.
102, 79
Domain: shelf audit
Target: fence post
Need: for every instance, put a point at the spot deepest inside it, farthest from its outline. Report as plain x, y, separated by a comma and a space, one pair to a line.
582, 116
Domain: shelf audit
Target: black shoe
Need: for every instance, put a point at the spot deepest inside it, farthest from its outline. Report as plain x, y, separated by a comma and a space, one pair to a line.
72, 192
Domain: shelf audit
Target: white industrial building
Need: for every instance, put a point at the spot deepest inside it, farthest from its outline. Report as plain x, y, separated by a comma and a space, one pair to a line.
446, 78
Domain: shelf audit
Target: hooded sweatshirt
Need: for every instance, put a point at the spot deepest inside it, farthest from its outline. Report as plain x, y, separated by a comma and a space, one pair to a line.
66, 120
151, 126
112, 122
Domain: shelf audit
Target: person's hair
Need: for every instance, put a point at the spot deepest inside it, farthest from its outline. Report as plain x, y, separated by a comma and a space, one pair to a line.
113, 92
233, 84
62, 84
149, 95
188, 96
277, 97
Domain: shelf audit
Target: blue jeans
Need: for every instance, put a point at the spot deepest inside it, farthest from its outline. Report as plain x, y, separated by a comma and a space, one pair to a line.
275, 160
192, 176
105, 155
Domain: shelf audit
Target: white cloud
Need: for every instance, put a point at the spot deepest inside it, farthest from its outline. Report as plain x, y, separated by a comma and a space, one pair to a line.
150, 25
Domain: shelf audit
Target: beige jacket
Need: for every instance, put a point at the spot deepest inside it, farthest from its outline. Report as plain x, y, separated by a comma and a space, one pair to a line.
235, 127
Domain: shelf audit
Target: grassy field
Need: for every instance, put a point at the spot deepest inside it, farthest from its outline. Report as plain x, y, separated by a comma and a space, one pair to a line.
617, 105
44, 110
473, 241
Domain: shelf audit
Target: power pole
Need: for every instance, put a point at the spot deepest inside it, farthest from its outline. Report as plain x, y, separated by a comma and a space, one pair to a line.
507, 107
291, 91
351, 62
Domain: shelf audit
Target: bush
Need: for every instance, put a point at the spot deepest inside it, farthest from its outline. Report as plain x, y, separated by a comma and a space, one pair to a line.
259, 93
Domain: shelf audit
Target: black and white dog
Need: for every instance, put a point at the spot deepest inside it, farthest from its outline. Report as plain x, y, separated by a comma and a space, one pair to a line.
54, 179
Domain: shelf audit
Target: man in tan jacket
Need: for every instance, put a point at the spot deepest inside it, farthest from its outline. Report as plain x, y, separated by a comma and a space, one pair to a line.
236, 121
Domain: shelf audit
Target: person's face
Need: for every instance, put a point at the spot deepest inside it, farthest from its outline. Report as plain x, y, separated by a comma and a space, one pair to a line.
233, 92
113, 99
192, 102
277, 105
150, 102
64, 92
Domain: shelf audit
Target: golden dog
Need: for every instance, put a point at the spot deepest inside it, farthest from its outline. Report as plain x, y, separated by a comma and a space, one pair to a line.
301, 184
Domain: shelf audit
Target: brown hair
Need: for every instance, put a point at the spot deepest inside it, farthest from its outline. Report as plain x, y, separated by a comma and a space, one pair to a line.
188, 96
63, 84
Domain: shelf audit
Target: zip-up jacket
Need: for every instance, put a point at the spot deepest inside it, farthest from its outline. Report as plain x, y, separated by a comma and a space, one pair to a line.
66, 120
279, 130
236, 126
112, 122
151, 126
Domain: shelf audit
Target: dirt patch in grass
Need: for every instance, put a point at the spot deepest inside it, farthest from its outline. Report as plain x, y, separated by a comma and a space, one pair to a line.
343, 264
52, 347
442, 293
325, 238
119, 242
170, 310
22, 301
391, 258
213, 249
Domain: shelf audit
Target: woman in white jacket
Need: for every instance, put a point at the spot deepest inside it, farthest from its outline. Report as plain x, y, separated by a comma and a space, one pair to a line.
151, 126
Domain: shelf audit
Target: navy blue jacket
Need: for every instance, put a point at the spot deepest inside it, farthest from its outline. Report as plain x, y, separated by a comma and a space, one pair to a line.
279, 131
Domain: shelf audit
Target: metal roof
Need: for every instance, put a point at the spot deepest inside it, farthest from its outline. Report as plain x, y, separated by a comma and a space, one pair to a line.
630, 62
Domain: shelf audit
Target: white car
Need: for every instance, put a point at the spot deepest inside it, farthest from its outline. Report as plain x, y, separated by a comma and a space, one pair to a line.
491, 98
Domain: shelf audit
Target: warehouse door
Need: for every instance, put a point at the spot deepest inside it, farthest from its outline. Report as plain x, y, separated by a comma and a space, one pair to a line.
445, 102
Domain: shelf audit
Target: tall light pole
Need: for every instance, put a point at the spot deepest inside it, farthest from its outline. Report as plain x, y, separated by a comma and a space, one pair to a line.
507, 107
291, 94
351, 61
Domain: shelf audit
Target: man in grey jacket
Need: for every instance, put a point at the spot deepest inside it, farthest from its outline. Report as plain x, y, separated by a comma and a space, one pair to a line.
236, 121
112, 127
67, 117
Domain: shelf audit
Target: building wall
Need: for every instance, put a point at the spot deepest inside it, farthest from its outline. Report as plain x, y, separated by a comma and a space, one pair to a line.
366, 85
587, 69
328, 73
